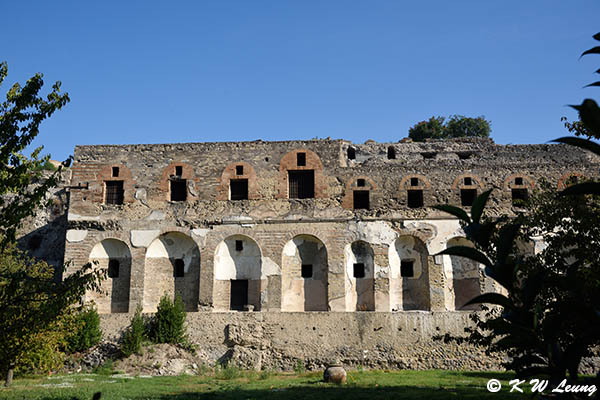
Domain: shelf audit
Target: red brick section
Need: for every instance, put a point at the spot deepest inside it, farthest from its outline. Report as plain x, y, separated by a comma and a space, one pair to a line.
563, 181
289, 162
509, 182
187, 173
423, 182
476, 182
230, 173
351, 186
105, 174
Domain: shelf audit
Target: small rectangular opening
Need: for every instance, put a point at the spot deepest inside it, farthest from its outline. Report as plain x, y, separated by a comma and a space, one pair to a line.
467, 197
238, 189
239, 170
301, 159
178, 189
414, 181
407, 269
301, 184
518, 181
468, 181
239, 245
361, 199
391, 153
114, 192
178, 268
178, 170
360, 182
351, 153
429, 155
307, 271
415, 198
113, 268
115, 172
359, 270
519, 196
464, 155
238, 295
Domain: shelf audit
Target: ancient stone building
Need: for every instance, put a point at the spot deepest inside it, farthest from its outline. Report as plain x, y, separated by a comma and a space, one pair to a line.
300, 249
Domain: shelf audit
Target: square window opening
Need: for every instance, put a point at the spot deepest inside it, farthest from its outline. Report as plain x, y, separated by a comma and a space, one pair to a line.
239, 245
238, 189
178, 268
113, 268
518, 181
239, 170
115, 172
467, 197
178, 189
391, 153
415, 198
519, 196
414, 181
301, 184
361, 199
301, 159
407, 268
114, 192
238, 296
468, 181
359, 270
179, 170
360, 182
307, 271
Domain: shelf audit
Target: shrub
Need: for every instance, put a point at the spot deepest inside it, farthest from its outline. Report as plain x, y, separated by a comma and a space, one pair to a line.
134, 334
168, 325
87, 331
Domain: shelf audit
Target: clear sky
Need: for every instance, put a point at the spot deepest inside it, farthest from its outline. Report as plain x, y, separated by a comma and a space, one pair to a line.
189, 71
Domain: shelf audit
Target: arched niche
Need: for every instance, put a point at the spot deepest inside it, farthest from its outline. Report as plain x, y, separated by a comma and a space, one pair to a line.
409, 276
172, 266
464, 275
239, 280
360, 274
113, 255
304, 275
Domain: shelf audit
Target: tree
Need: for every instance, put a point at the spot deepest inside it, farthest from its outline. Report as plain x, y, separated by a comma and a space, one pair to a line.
550, 318
456, 126
32, 302
20, 118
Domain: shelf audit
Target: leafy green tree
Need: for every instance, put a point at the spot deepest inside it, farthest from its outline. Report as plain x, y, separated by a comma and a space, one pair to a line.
86, 330
33, 305
433, 128
20, 118
168, 325
134, 334
456, 126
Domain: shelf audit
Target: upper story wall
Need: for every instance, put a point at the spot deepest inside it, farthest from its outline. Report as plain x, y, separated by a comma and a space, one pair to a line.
440, 169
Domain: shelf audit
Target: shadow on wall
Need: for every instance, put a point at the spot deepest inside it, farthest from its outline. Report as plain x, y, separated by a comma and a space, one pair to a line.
466, 277
360, 274
409, 282
113, 255
172, 266
304, 270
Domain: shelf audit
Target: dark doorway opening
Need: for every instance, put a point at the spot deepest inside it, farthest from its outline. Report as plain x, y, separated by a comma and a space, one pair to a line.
238, 189
467, 197
415, 198
178, 189
519, 196
238, 294
302, 184
361, 199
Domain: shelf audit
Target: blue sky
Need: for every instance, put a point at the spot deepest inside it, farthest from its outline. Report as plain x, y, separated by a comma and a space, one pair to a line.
155, 72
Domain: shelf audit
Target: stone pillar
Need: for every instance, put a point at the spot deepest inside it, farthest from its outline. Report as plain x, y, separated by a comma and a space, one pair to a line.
136, 286
436, 285
381, 281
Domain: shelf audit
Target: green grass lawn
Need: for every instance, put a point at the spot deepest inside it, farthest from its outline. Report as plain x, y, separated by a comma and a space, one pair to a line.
234, 384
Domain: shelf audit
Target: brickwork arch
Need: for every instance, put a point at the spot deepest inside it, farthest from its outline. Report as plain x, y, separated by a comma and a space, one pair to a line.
409, 274
289, 162
511, 182
459, 182
231, 172
106, 174
563, 181
187, 173
115, 256
359, 276
353, 184
424, 183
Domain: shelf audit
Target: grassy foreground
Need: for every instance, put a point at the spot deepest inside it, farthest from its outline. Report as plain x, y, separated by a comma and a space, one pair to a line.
235, 384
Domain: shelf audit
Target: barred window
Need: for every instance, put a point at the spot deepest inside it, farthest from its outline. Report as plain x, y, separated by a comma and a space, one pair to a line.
114, 192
